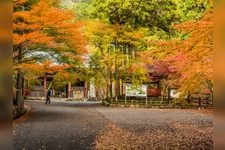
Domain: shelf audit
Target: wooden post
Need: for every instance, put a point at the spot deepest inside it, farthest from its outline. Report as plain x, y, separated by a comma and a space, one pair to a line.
44, 85
169, 96
200, 102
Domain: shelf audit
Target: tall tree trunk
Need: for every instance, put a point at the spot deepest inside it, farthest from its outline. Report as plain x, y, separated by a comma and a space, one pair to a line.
110, 83
164, 89
23, 86
117, 88
44, 85
116, 77
117, 84
110, 90
110, 86
19, 99
107, 90
19, 83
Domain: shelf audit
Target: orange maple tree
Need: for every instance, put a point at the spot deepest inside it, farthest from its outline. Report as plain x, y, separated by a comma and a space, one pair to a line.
192, 57
44, 28
46, 25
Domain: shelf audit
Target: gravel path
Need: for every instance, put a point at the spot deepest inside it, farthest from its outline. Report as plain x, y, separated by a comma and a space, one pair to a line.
88, 125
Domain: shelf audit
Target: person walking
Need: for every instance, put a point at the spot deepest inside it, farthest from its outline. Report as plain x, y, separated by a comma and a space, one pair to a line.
48, 97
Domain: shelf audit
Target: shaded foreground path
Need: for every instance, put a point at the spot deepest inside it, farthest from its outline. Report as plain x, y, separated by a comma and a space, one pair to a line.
88, 125
60, 125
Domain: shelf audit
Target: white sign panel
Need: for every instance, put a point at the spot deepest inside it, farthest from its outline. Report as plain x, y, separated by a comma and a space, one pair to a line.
132, 90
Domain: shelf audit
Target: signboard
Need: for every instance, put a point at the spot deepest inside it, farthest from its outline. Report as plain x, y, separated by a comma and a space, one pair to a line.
140, 91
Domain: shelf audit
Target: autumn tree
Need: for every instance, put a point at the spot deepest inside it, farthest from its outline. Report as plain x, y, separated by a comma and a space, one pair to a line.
191, 53
40, 28
132, 22
110, 52
198, 48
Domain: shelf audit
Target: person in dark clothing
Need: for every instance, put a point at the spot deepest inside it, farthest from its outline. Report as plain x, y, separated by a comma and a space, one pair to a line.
48, 97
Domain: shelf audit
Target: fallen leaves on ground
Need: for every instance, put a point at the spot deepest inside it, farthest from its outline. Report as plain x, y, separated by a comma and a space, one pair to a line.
24, 117
180, 135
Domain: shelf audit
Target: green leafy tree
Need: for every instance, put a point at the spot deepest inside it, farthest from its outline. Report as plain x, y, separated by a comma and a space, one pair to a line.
157, 16
193, 9
111, 52
132, 21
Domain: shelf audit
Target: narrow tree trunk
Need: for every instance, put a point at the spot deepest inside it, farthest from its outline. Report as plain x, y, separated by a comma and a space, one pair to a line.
19, 99
117, 84
111, 86
169, 98
44, 85
111, 90
117, 89
19, 83
163, 90
107, 90
23, 87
